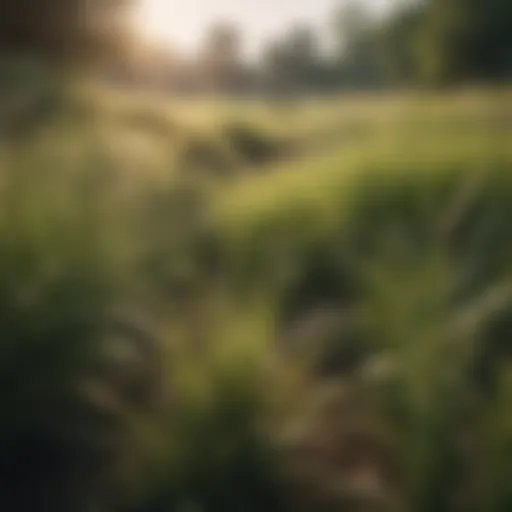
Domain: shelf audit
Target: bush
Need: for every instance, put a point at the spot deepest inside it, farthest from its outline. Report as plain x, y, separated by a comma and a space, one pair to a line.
207, 155
251, 144
64, 267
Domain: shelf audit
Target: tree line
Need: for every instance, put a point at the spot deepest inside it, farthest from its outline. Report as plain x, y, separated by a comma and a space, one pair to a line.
414, 42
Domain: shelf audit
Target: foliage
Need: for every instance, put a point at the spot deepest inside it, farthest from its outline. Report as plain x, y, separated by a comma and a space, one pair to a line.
60, 29
329, 334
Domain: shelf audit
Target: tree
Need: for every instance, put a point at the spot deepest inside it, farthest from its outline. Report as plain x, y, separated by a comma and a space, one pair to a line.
399, 37
357, 50
464, 40
61, 29
221, 58
294, 63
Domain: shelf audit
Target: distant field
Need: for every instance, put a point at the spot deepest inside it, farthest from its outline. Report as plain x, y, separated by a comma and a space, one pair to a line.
364, 123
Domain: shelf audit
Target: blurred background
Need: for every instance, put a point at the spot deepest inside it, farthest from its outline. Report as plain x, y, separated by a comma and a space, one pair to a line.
255, 256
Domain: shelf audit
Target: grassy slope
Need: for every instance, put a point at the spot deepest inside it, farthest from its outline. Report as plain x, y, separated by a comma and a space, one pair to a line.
396, 207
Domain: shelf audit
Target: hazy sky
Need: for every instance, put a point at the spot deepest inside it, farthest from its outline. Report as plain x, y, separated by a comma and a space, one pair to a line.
183, 21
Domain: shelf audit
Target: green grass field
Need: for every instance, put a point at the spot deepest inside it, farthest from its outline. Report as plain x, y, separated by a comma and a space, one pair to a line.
222, 306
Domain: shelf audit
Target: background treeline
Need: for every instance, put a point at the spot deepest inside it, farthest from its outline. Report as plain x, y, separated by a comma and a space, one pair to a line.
412, 42
419, 42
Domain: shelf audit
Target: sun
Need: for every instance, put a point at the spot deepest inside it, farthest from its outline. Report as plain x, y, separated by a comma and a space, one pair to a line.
154, 18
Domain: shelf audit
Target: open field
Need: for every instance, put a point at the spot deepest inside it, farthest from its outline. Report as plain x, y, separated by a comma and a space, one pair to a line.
212, 305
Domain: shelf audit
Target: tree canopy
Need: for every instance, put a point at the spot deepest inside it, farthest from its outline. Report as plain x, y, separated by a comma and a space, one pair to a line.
61, 29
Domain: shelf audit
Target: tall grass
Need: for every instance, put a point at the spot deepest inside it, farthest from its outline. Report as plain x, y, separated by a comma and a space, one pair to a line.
330, 334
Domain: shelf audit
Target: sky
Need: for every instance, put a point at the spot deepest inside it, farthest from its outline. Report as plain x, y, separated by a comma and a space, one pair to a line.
182, 22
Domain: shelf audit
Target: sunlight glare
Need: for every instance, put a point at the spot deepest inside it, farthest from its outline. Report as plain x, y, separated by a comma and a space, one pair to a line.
154, 19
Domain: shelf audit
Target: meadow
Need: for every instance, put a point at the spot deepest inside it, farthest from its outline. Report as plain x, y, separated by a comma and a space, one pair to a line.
214, 305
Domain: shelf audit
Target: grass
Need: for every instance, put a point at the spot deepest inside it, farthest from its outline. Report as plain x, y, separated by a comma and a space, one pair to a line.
317, 320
